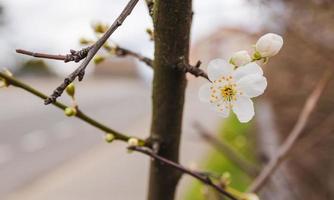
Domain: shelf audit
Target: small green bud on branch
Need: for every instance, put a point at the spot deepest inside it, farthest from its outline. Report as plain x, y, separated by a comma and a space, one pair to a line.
133, 142
70, 90
100, 28
225, 179
98, 59
3, 82
69, 111
109, 137
150, 32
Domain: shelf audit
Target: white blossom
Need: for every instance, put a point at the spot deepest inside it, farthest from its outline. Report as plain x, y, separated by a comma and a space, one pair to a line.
233, 89
269, 45
250, 196
133, 142
240, 58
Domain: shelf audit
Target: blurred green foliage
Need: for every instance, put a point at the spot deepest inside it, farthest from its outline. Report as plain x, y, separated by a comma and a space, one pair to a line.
238, 135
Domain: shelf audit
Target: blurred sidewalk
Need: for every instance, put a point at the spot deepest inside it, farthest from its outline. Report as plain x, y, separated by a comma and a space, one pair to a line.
107, 171
104, 172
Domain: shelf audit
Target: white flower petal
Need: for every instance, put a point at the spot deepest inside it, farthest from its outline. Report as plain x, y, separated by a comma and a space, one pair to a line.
250, 68
223, 108
205, 92
244, 109
252, 85
218, 68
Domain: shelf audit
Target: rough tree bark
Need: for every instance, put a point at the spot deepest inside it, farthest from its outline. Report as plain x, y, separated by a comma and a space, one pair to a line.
172, 22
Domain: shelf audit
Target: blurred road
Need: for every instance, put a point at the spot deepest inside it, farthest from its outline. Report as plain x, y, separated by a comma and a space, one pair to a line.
35, 138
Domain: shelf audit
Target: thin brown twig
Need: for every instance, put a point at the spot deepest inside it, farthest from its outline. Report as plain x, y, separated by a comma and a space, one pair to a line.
41, 55
75, 56
17, 83
230, 153
203, 178
121, 52
294, 135
79, 55
322, 131
187, 68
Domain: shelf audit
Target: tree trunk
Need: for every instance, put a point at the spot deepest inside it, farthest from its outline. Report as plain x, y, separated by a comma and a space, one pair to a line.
172, 22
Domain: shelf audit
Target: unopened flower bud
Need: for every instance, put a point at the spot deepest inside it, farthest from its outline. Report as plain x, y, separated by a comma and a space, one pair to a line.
84, 41
100, 28
98, 59
109, 137
133, 142
70, 89
240, 58
225, 179
9, 73
150, 32
250, 196
269, 45
69, 111
113, 50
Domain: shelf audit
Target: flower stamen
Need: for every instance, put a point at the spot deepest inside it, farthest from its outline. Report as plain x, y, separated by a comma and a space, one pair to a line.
228, 92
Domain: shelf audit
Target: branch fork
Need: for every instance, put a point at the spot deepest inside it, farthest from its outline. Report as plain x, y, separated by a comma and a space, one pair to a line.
87, 53
192, 69
200, 176
77, 56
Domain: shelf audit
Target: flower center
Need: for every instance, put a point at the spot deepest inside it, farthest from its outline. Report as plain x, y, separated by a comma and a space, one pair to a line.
228, 92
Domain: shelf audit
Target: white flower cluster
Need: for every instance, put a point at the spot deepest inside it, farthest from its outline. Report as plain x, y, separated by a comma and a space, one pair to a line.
233, 84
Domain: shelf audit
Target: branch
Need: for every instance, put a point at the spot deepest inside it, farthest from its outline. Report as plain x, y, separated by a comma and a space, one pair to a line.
14, 82
321, 130
294, 135
230, 153
80, 71
200, 176
87, 53
79, 55
194, 70
121, 52
76, 56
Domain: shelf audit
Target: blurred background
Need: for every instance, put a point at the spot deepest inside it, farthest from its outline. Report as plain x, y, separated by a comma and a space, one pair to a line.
45, 155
